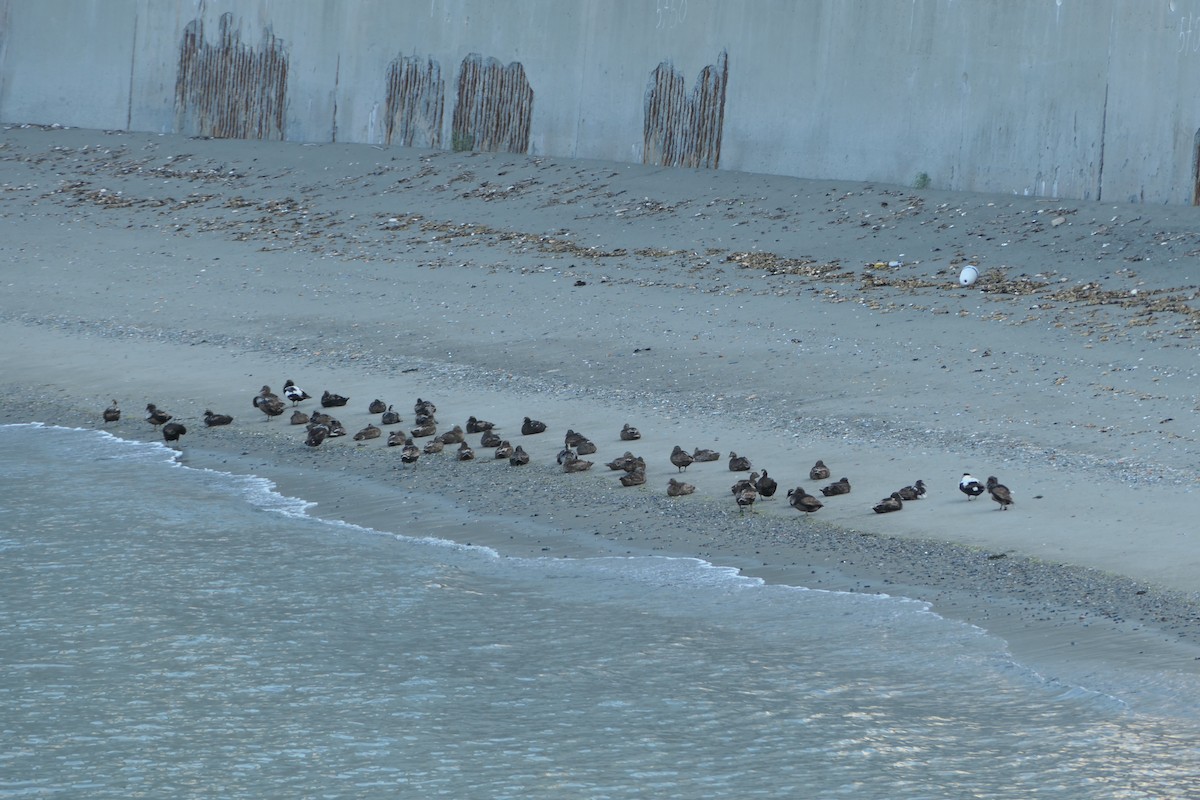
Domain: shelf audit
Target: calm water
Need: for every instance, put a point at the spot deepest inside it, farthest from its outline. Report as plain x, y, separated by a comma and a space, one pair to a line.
171, 632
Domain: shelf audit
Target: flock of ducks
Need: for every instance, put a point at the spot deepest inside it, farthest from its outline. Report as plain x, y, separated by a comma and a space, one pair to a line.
321, 425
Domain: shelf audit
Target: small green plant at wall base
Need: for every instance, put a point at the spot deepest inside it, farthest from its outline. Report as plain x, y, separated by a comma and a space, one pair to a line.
462, 141
921, 181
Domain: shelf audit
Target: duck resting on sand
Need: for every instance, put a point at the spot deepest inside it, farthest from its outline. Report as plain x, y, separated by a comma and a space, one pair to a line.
531, 426
819, 472
890, 503
738, 463
802, 500
678, 489
840, 486
630, 433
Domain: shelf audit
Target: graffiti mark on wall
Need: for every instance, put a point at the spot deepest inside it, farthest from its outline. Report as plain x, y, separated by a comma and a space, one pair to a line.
415, 103
229, 90
681, 129
670, 13
494, 108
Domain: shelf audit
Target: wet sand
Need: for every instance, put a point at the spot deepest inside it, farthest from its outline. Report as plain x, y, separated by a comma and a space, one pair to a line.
785, 320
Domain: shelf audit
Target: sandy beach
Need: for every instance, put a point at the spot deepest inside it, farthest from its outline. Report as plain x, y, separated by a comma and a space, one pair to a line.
783, 319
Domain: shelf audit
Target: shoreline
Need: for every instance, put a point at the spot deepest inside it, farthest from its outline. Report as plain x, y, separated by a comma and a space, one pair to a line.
190, 299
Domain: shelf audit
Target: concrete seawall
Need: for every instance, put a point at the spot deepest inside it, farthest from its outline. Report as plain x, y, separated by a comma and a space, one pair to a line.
1088, 99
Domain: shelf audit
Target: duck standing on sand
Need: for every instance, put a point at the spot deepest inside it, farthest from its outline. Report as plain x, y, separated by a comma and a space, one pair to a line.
766, 486
264, 393
970, 487
738, 463
681, 458
271, 406
294, 393
840, 486
745, 498
803, 501
630, 433
112, 413
519, 458
331, 400
156, 416
999, 493
531, 426
819, 472
679, 489
212, 420
172, 431
890, 503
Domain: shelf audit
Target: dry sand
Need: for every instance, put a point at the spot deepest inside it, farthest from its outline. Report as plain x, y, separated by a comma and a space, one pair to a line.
787, 320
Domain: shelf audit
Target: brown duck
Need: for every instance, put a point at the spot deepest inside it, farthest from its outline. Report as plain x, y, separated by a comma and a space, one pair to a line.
766, 485
738, 463
576, 465
635, 478
271, 406
424, 429
212, 420
478, 425
264, 393
745, 498
316, 434
840, 486
172, 431
424, 407
433, 446
299, 418
409, 452
622, 462
679, 489
681, 458
390, 417
455, 435
397, 439
999, 493
519, 458
156, 416
888, 504
489, 438
377, 406
112, 413
573, 439
331, 400
369, 432
819, 472
914, 492
465, 453
704, 454
532, 426
803, 501
630, 433
504, 450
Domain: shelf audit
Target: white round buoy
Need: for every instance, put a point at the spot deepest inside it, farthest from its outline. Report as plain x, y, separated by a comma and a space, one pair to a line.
968, 275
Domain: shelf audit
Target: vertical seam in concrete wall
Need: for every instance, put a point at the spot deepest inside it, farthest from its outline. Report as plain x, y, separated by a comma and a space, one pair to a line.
1100, 166
337, 80
132, 71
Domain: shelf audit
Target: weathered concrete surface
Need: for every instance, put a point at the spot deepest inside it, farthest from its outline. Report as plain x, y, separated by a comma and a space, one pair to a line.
1091, 99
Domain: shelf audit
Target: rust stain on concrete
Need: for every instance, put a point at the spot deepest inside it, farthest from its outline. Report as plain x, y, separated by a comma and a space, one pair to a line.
229, 90
494, 108
681, 129
416, 100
